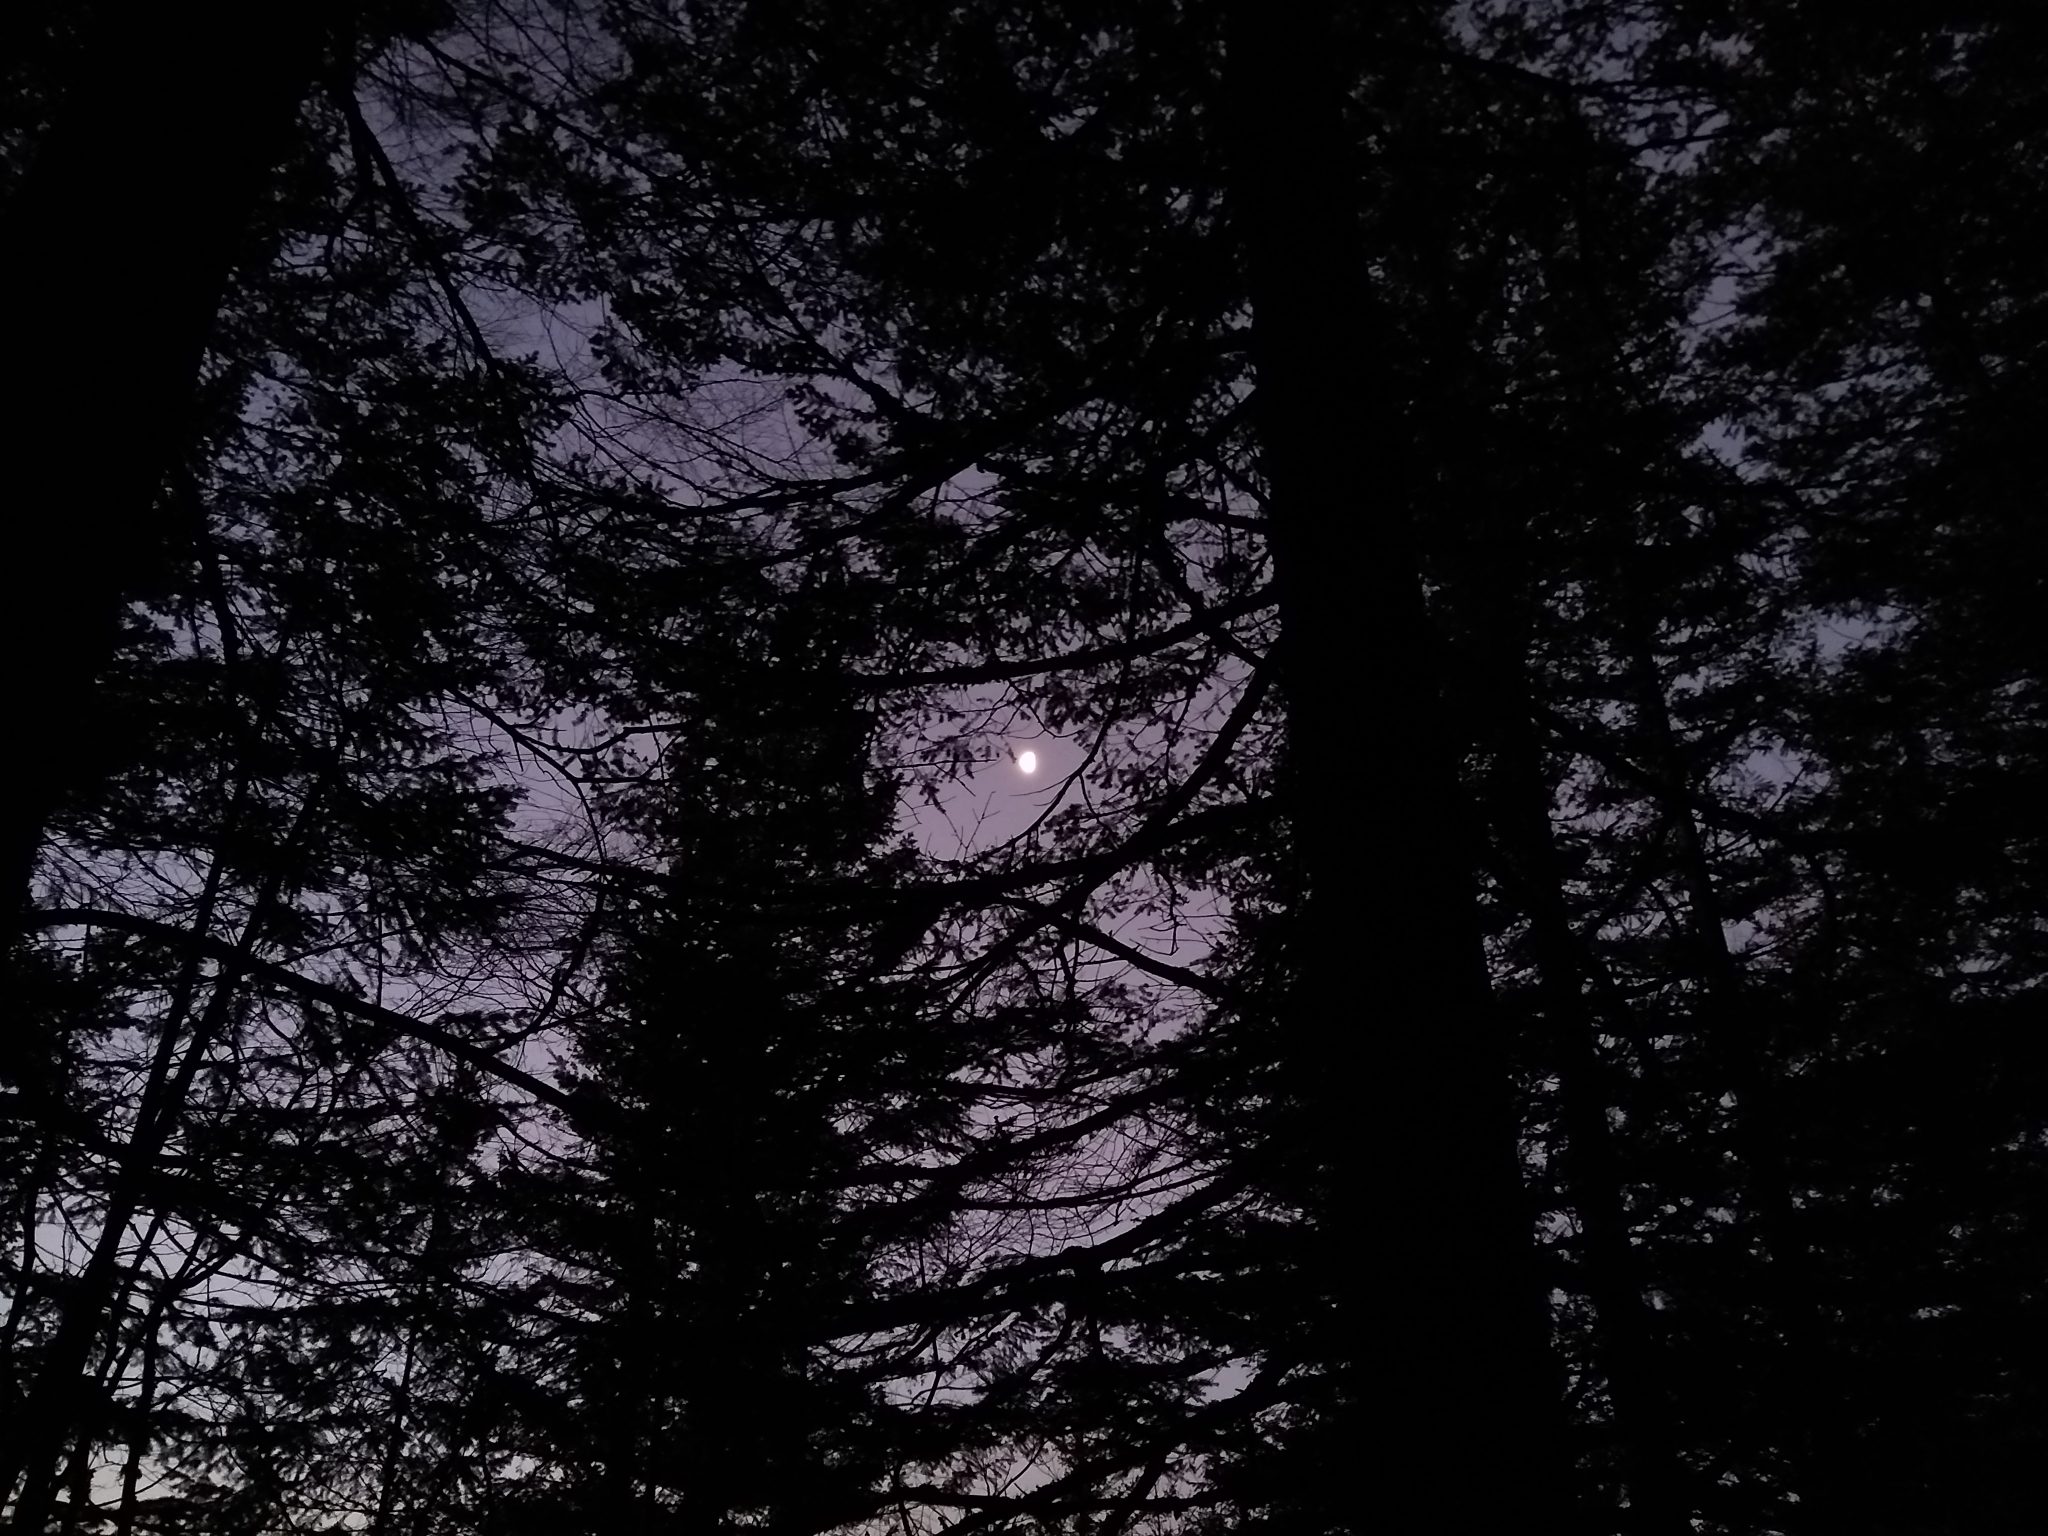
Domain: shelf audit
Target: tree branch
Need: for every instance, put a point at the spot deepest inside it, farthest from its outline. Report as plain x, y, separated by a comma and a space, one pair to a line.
236, 960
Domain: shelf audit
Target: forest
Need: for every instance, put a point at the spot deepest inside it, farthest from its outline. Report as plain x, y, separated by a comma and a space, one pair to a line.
1105, 767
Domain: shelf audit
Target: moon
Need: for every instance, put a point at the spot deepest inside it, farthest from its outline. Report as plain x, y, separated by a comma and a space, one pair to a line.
1028, 761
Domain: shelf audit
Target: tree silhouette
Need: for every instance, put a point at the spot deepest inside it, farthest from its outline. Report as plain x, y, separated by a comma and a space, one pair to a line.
538, 1000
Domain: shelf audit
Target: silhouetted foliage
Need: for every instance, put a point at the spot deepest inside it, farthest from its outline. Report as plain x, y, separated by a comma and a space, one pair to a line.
1514, 1004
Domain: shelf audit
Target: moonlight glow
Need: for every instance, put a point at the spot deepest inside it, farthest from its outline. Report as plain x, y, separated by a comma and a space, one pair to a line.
1028, 761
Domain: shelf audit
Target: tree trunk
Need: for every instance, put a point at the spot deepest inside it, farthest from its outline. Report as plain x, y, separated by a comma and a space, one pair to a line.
139, 1424
64, 1382
65, 1385
395, 1433
1450, 1414
1804, 1403
120, 240
1659, 1504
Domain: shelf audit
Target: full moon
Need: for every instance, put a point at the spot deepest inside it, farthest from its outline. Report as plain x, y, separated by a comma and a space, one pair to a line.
1028, 761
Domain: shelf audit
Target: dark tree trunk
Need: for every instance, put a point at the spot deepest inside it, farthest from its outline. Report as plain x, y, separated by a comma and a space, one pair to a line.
1659, 1503
1804, 1399
65, 1387
120, 240
1450, 1406
139, 1427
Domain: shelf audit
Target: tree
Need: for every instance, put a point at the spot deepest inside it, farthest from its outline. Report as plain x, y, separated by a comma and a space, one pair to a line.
684, 1253
72, 245
1514, 1009
275, 785
1884, 360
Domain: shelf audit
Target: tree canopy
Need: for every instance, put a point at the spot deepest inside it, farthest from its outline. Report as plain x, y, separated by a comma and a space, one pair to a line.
544, 997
